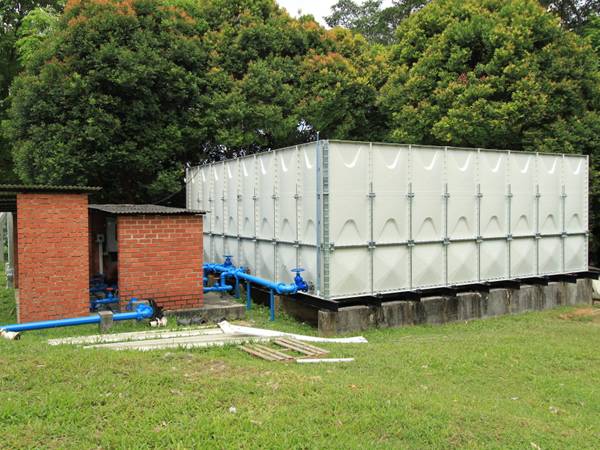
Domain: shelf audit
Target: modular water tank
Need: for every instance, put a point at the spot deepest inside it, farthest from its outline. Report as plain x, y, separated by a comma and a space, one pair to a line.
370, 218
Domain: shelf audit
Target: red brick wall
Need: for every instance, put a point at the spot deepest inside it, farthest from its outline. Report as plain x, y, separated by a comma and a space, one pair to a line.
160, 257
52, 256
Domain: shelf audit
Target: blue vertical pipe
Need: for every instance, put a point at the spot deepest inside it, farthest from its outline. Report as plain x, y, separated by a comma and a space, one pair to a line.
248, 298
272, 304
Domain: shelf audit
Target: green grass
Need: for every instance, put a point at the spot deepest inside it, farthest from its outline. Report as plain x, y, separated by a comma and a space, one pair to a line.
502, 383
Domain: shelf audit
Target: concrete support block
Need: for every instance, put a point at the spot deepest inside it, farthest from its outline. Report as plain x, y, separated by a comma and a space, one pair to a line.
398, 314
469, 305
553, 295
432, 310
584, 291
346, 320
106, 321
528, 298
465, 306
495, 303
570, 298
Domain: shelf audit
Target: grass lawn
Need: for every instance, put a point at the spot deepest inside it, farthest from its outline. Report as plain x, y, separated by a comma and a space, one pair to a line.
528, 381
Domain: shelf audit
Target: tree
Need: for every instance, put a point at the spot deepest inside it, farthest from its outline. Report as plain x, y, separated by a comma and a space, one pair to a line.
493, 73
370, 19
573, 13
12, 14
36, 27
111, 99
124, 92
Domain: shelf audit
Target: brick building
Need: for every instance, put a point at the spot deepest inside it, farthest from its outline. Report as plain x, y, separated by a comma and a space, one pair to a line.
61, 241
149, 251
51, 274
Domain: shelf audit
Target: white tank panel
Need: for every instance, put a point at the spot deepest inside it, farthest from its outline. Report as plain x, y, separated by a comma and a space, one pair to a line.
369, 218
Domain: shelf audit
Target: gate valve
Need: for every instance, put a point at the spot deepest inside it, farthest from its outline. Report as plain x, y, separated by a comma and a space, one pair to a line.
298, 280
228, 262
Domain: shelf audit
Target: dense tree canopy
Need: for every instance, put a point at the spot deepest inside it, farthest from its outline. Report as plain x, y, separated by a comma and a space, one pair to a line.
371, 19
139, 87
493, 73
12, 14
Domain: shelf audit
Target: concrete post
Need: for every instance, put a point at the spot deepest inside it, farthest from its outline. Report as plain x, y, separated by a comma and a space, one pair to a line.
10, 234
106, 321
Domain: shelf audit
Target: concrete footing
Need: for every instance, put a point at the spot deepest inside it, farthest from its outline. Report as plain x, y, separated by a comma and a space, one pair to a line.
462, 307
214, 309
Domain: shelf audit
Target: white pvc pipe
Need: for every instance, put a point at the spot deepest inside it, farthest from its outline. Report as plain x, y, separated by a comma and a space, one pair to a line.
229, 328
323, 360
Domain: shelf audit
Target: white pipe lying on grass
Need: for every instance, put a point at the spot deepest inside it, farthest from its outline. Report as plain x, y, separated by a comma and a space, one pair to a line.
229, 328
135, 336
180, 342
324, 360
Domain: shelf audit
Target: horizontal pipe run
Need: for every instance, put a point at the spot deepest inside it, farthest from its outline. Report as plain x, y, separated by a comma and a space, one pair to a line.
142, 311
222, 288
239, 274
105, 301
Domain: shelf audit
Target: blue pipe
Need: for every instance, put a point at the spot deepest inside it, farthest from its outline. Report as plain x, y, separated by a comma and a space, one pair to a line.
222, 288
229, 270
142, 311
248, 298
271, 305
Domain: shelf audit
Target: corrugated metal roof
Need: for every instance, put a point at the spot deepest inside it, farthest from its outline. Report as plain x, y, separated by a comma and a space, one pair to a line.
126, 209
46, 188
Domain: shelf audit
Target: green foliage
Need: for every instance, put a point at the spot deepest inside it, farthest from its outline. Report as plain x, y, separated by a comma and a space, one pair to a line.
34, 30
574, 14
378, 24
12, 13
591, 31
512, 382
500, 74
124, 92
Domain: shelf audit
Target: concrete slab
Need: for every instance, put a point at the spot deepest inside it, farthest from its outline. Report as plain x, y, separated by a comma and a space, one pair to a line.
215, 309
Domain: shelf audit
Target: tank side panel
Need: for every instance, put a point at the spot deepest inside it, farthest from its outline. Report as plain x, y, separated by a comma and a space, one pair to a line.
461, 172
575, 179
522, 179
390, 165
549, 223
493, 175
349, 218
428, 180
